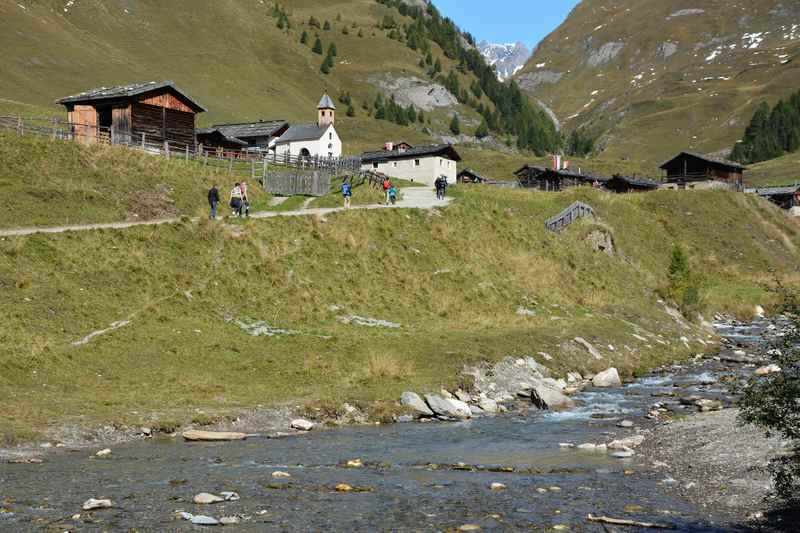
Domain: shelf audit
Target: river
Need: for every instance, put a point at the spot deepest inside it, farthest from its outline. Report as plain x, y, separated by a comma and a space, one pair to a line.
415, 476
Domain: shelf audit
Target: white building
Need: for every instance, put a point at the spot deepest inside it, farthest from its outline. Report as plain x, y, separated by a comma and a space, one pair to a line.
316, 139
423, 164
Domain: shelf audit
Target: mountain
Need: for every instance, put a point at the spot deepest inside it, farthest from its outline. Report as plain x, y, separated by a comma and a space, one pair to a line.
651, 77
508, 59
242, 59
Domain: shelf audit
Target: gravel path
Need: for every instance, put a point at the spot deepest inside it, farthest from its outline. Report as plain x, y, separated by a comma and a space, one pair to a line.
412, 198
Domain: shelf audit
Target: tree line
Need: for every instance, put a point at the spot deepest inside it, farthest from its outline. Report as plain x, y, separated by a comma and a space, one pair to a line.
771, 132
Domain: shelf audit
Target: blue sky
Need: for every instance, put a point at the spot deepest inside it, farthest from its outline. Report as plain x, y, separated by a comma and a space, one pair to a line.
503, 21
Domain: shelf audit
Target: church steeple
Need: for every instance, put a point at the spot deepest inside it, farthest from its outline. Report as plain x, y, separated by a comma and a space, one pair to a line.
326, 112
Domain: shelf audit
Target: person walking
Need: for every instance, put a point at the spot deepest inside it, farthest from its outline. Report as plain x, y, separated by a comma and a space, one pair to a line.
213, 201
244, 210
347, 193
439, 188
392, 194
386, 186
236, 200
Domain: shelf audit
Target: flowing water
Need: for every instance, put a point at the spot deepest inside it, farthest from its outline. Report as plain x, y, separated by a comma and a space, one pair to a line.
416, 476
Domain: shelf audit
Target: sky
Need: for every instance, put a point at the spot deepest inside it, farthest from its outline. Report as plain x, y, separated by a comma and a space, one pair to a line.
503, 21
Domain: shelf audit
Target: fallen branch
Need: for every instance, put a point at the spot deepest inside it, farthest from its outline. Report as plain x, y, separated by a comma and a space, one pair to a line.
622, 522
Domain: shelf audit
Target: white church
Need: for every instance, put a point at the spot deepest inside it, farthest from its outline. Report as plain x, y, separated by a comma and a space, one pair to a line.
315, 139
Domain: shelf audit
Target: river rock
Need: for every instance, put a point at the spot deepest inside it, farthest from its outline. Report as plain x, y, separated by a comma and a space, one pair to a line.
447, 407
623, 454
626, 443
476, 411
607, 378
574, 377
488, 405
627, 424
559, 384
103, 453
463, 396
206, 498
92, 504
301, 424
587, 446
212, 436
469, 527
230, 496
343, 487
537, 367
497, 486
446, 394
705, 405
545, 396
202, 520
413, 401
280, 474
354, 463
767, 370
229, 520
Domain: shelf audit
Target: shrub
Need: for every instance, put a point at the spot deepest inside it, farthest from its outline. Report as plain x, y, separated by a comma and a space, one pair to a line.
313, 22
771, 402
304, 38
327, 26
455, 125
682, 286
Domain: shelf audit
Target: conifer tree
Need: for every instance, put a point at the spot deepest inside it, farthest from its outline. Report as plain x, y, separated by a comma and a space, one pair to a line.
332, 51
327, 65
304, 37
327, 26
455, 125
482, 131
351, 111
317, 49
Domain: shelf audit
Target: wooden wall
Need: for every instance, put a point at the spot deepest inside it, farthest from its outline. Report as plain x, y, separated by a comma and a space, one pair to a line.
167, 101
85, 119
121, 122
161, 124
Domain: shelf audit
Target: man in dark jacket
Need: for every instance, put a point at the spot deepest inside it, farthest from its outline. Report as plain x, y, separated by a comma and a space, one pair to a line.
213, 201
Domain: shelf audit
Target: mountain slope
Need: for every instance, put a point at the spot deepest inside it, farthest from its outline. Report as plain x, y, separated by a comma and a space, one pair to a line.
230, 55
651, 77
508, 59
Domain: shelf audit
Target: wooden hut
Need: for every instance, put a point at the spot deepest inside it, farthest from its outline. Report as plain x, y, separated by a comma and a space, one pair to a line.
689, 170
469, 176
784, 197
547, 179
143, 112
624, 184
259, 136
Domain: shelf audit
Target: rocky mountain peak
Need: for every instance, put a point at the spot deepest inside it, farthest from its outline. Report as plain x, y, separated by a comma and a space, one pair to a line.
508, 58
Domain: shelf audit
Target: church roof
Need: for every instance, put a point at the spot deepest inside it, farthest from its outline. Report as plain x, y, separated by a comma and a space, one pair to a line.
303, 132
326, 102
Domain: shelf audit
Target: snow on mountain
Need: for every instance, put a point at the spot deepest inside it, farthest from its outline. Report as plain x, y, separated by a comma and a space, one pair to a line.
508, 59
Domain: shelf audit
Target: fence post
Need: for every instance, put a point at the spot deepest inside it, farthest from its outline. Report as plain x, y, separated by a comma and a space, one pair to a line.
187, 152
19, 125
55, 128
143, 140
205, 159
112, 135
166, 148
230, 165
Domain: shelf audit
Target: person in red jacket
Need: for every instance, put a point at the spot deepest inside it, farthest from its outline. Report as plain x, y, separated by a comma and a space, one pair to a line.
386, 186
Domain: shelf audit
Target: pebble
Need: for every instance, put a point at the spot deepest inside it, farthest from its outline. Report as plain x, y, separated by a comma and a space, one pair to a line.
626, 424
103, 453
354, 463
76, 517
469, 527
230, 496
202, 520
624, 454
302, 424
343, 487
281, 474
541, 490
205, 498
92, 504
497, 486
229, 520
555, 489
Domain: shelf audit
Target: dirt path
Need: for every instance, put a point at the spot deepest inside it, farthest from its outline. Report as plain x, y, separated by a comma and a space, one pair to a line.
413, 198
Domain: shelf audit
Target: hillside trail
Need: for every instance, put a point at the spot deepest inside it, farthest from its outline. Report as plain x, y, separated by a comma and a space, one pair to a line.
412, 198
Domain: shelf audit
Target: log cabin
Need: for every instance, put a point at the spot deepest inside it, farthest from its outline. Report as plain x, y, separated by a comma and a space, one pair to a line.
154, 112
257, 136
786, 197
547, 179
689, 170
625, 184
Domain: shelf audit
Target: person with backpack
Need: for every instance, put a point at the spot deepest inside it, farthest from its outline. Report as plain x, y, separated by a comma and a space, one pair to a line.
386, 186
236, 200
244, 210
347, 193
213, 201
392, 194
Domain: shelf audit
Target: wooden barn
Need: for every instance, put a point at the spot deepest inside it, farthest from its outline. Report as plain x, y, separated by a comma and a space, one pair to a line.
259, 136
469, 176
547, 179
152, 112
784, 197
689, 170
624, 184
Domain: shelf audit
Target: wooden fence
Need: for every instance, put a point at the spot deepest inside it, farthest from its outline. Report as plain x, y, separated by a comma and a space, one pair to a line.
568, 216
247, 162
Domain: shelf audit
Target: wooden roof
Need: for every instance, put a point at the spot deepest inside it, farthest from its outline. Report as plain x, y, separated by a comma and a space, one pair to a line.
634, 182
118, 92
708, 159
437, 150
248, 130
564, 173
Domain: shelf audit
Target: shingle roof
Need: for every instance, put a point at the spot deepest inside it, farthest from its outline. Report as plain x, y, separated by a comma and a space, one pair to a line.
302, 132
245, 130
636, 182
127, 91
472, 173
419, 151
326, 102
564, 173
707, 158
778, 191
211, 131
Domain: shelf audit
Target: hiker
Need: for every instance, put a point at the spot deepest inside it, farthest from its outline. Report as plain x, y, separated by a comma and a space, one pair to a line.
386, 186
213, 201
236, 200
441, 187
347, 193
244, 210
392, 194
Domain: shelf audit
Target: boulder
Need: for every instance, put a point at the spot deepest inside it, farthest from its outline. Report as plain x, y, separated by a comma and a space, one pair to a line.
413, 401
447, 407
476, 411
92, 504
281, 474
623, 454
198, 435
767, 370
537, 367
205, 498
103, 453
574, 377
545, 396
497, 486
463, 396
607, 378
488, 405
627, 424
589, 348
626, 443
301, 424
705, 405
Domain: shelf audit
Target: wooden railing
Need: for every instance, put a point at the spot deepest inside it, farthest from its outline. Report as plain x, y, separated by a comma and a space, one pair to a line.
568, 216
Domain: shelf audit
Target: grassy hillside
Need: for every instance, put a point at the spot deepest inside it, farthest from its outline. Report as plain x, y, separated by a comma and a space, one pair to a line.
652, 77
229, 55
781, 171
453, 280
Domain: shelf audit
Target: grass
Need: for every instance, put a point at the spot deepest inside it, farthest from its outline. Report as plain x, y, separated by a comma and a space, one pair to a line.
781, 171
453, 279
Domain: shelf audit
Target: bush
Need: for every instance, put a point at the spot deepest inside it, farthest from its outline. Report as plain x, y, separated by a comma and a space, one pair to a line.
682, 286
771, 402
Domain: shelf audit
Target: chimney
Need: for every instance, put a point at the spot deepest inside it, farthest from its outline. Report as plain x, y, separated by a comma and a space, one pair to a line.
388, 146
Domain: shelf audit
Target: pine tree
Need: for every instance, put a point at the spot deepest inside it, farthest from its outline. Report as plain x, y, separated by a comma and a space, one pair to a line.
304, 37
332, 51
437, 66
327, 65
421, 116
313, 22
327, 26
317, 49
482, 131
351, 111
428, 59
345, 31
455, 125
